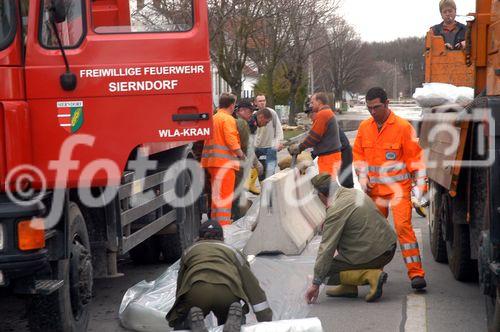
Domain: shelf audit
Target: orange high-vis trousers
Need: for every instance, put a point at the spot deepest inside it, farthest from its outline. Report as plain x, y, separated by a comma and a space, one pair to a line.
222, 182
330, 163
401, 208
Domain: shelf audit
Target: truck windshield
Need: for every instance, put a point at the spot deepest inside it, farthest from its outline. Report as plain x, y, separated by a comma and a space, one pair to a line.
144, 16
7, 23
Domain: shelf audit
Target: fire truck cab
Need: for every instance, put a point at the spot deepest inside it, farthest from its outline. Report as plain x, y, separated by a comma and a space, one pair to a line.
101, 103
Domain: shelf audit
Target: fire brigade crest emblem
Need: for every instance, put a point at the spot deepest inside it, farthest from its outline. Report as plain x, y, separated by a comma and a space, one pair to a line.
70, 115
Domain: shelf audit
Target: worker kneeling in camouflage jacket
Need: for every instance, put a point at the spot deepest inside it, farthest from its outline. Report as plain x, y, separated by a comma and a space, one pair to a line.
215, 277
362, 237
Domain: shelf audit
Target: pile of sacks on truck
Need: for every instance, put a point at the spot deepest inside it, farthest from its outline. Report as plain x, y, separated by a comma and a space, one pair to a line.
438, 94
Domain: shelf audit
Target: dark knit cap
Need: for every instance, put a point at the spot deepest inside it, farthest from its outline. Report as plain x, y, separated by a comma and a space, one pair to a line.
323, 183
246, 104
211, 230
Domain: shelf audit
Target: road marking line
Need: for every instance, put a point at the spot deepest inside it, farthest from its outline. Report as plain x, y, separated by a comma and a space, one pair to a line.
416, 314
418, 234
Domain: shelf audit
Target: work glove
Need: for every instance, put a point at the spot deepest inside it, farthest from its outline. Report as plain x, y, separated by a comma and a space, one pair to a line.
420, 195
294, 149
365, 184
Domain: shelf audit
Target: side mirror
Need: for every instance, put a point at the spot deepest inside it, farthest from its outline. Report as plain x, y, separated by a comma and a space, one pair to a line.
58, 11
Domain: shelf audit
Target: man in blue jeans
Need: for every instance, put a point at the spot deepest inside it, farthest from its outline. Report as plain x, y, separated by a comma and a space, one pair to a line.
268, 140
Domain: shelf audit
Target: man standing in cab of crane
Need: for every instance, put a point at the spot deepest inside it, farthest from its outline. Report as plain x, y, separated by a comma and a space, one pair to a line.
453, 32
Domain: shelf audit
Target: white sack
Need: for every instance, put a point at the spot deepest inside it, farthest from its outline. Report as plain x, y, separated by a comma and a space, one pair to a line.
437, 94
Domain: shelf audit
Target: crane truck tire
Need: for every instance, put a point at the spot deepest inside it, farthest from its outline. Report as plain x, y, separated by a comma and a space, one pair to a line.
67, 309
490, 291
493, 311
437, 242
458, 250
457, 239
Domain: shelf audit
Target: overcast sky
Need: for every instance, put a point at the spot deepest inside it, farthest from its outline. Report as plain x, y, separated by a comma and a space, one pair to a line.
384, 20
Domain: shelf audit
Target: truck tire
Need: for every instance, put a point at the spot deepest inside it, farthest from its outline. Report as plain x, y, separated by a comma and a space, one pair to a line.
147, 252
187, 223
493, 311
458, 250
437, 242
67, 309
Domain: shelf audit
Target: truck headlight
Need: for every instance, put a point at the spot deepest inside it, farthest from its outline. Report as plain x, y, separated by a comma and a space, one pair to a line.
2, 279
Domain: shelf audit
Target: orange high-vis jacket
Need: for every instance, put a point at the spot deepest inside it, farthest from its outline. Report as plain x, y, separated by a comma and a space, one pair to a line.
391, 156
218, 151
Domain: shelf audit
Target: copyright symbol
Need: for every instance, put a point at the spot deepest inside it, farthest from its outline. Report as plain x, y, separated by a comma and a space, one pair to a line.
17, 190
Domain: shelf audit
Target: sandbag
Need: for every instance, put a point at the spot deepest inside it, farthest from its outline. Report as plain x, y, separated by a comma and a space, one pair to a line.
437, 94
304, 160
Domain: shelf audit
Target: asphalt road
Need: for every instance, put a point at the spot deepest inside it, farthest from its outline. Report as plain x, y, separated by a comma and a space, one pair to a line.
448, 305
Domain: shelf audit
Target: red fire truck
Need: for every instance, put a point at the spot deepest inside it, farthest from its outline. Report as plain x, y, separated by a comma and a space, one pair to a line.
100, 105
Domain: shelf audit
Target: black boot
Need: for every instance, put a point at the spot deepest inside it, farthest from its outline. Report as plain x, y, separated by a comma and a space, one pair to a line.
234, 318
197, 320
418, 283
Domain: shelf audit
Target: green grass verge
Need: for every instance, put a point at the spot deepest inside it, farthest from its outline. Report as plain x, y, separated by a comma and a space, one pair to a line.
292, 133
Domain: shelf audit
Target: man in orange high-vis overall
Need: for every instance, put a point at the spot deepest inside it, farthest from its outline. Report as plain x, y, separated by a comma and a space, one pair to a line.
389, 162
323, 137
221, 157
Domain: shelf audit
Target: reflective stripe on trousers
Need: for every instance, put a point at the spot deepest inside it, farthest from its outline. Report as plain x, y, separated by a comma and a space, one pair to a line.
260, 307
222, 182
401, 208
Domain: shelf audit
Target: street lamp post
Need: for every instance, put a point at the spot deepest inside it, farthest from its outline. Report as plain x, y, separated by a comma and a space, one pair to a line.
410, 69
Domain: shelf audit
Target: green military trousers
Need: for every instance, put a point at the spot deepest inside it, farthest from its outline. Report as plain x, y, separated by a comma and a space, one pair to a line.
339, 265
237, 210
209, 298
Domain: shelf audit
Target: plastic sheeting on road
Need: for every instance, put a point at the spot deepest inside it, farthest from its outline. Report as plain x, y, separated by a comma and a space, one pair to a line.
284, 279
294, 325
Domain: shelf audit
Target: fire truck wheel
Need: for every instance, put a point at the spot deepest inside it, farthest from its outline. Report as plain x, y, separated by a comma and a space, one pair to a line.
67, 309
493, 311
187, 223
438, 244
458, 250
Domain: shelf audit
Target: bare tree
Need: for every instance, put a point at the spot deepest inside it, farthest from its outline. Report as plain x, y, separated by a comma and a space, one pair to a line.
306, 16
269, 42
343, 64
232, 23
162, 15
